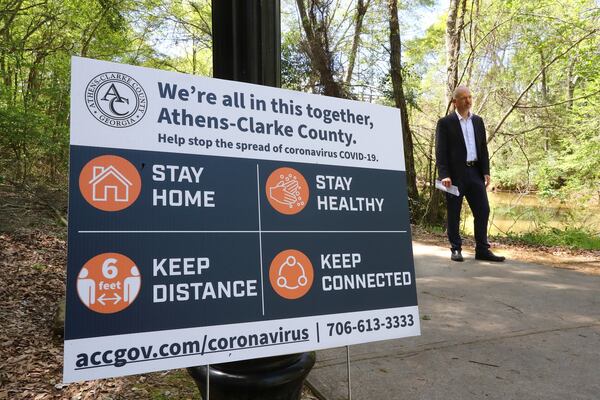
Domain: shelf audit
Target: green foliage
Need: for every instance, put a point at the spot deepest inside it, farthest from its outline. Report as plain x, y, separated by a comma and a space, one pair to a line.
575, 238
189, 24
514, 178
39, 267
549, 142
36, 45
296, 71
23, 140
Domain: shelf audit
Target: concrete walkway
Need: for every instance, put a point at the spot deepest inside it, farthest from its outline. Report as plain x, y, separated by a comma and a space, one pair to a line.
511, 331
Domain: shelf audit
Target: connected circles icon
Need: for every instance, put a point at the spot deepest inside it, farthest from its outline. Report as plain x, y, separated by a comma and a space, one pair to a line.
291, 274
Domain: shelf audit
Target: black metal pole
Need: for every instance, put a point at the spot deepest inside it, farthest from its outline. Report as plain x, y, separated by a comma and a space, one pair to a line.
247, 48
270, 378
247, 41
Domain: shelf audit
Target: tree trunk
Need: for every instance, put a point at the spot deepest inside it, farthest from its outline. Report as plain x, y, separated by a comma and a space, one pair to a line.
434, 213
315, 28
473, 38
85, 46
400, 100
454, 26
545, 133
571, 82
194, 56
361, 10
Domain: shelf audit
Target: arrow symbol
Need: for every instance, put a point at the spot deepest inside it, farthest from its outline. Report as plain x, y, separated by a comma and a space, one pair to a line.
103, 298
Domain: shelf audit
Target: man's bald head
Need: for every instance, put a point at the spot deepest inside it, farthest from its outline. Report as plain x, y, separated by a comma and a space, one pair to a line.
459, 90
462, 99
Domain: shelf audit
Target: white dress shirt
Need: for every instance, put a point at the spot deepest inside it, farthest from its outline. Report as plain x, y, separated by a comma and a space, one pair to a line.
466, 125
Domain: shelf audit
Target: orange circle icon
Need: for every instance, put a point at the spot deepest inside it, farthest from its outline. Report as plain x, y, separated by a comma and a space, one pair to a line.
291, 274
108, 283
110, 183
287, 191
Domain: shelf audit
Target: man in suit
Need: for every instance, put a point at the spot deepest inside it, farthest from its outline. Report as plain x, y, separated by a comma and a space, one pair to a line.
463, 160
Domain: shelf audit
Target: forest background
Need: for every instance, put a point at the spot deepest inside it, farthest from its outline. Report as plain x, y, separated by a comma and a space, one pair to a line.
533, 67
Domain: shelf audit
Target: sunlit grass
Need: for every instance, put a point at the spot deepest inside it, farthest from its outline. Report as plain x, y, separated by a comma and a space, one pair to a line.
574, 238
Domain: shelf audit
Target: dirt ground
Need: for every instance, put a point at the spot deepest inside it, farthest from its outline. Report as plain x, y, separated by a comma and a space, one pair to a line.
585, 261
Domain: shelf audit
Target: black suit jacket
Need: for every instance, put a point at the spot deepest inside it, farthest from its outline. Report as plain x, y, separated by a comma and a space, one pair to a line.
451, 151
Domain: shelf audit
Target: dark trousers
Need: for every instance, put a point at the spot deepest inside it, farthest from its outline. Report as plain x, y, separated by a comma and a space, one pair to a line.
471, 186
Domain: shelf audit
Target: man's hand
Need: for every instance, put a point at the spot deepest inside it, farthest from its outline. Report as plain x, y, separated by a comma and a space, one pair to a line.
447, 182
487, 180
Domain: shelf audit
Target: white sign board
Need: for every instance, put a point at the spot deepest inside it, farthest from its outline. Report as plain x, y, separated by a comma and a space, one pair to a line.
212, 221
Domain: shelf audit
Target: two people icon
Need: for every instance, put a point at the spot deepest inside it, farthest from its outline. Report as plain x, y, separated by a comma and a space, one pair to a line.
108, 283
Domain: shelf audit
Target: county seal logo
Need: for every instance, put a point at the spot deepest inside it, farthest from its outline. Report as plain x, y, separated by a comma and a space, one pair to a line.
116, 99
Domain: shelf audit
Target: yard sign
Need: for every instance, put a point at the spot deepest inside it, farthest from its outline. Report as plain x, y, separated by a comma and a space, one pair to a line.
212, 221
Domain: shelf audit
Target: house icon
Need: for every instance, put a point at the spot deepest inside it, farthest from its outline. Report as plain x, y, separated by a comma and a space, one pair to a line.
108, 184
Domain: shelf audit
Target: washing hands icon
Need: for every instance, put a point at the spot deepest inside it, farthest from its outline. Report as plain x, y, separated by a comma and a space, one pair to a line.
286, 191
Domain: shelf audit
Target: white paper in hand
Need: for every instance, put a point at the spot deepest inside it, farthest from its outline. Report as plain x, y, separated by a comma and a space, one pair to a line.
452, 189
